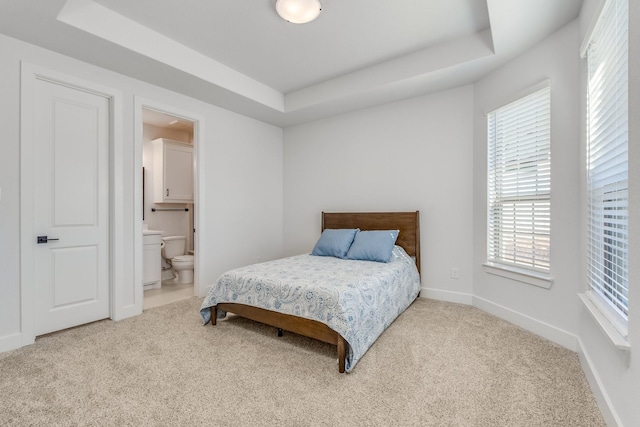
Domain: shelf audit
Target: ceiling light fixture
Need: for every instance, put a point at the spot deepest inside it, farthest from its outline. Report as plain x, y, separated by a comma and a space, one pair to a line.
298, 11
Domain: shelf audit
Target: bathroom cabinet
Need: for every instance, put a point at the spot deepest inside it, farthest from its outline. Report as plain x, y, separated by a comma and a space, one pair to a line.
172, 171
152, 260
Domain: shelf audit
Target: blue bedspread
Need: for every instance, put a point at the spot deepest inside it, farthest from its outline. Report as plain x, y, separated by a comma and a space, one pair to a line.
357, 299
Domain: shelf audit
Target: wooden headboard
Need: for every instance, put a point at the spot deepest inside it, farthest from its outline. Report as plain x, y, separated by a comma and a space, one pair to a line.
407, 222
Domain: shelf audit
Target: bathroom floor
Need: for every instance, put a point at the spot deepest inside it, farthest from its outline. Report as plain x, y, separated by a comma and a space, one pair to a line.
171, 291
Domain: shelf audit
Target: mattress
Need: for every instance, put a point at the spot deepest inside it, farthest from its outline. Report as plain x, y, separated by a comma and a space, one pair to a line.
357, 299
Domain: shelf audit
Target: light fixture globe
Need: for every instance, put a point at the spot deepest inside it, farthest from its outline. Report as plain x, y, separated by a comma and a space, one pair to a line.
298, 11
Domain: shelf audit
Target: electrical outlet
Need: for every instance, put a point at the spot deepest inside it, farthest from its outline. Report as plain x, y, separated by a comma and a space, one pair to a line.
455, 273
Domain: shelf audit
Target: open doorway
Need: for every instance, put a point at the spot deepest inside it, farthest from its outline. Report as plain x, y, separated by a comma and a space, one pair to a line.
168, 207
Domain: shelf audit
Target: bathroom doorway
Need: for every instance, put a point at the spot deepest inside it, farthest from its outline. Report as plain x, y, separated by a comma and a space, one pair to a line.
163, 133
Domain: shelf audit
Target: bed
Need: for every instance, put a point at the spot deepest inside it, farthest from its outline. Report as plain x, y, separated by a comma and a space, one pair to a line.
320, 297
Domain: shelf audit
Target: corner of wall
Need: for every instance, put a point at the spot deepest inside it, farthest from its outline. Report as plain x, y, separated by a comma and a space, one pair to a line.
447, 296
597, 387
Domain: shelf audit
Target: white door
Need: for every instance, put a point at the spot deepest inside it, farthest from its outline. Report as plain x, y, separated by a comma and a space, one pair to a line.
72, 137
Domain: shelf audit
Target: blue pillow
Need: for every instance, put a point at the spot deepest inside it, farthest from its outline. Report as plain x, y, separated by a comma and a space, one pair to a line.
373, 245
334, 242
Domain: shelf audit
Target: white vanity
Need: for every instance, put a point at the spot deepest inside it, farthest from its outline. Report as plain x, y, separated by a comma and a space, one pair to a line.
152, 261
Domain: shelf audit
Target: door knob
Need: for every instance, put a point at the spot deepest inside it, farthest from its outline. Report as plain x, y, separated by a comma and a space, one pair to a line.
44, 239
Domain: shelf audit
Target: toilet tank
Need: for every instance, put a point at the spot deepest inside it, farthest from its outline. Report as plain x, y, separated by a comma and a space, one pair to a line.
173, 246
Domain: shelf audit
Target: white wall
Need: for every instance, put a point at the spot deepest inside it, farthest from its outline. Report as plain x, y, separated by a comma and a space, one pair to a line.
9, 199
616, 373
240, 179
553, 312
557, 313
405, 156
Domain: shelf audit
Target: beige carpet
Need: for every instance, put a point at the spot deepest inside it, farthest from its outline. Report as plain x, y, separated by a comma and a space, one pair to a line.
439, 364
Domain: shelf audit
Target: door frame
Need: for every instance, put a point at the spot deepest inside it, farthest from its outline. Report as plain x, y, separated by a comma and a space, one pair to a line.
198, 121
30, 73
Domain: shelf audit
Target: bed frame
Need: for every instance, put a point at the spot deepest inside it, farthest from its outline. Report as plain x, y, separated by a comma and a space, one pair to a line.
409, 238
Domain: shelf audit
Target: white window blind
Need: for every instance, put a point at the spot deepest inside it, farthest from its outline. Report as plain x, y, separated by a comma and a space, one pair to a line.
519, 183
607, 157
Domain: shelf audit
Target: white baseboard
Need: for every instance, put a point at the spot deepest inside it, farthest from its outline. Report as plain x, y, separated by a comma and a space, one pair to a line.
556, 335
545, 330
127, 311
602, 398
10, 342
447, 296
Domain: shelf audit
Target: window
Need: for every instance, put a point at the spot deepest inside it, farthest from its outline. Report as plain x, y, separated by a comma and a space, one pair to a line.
519, 184
607, 158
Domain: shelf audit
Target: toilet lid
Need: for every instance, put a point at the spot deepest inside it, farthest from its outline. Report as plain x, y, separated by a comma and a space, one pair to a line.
183, 258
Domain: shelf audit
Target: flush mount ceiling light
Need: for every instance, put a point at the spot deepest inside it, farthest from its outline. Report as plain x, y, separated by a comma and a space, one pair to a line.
298, 11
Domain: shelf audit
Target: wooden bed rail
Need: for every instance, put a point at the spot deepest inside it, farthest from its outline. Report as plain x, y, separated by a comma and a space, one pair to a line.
308, 328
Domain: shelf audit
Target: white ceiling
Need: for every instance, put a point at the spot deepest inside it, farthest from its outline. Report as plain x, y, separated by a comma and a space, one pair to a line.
240, 55
166, 121
248, 35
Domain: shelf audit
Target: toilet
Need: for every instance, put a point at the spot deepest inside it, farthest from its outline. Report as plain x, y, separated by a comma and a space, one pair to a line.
173, 251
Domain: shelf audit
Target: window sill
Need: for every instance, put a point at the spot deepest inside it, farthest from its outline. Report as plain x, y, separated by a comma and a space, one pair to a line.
606, 323
525, 276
